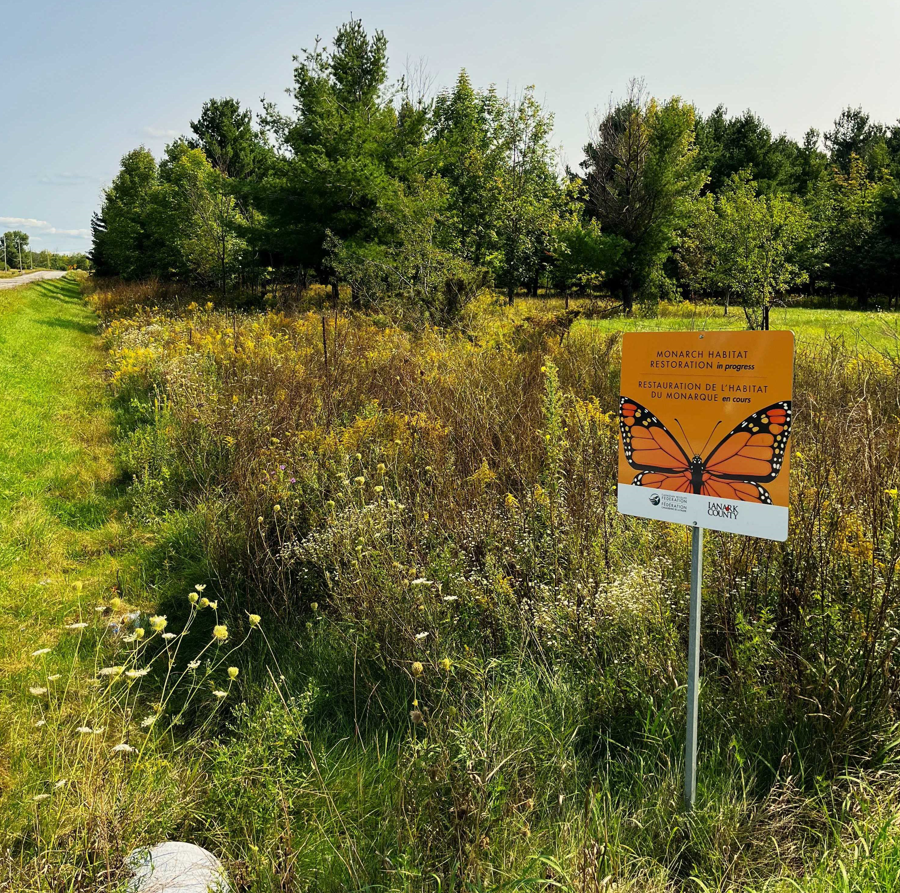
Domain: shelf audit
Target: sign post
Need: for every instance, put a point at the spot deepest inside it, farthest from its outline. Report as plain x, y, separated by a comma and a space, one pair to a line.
730, 392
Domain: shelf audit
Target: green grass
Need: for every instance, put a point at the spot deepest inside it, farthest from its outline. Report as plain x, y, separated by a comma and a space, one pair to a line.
865, 330
60, 529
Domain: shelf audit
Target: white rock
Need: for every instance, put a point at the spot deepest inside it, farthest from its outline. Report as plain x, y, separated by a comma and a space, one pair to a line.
176, 867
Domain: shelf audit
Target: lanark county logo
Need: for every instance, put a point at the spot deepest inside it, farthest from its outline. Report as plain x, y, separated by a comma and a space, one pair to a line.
728, 511
655, 499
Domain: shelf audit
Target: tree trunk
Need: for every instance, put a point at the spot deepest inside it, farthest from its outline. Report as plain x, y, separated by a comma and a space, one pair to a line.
335, 293
533, 290
511, 295
628, 298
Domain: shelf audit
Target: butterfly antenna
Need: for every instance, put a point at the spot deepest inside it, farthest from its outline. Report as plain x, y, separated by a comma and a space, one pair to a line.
686, 438
708, 439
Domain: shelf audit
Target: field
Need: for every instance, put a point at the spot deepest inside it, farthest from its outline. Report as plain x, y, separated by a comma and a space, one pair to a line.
350, 604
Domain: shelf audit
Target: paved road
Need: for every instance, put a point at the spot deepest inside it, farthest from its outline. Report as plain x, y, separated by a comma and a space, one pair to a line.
31, 277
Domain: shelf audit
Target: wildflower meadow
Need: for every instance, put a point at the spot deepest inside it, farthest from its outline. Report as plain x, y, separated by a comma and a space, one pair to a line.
375, 622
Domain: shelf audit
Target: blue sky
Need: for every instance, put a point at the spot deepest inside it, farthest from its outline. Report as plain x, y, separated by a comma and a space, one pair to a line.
86, 81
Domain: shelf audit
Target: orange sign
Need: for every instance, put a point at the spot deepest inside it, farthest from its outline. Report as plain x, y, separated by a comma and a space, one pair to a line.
705, 423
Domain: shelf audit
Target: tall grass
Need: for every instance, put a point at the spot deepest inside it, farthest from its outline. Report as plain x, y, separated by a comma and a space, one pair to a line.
473, 670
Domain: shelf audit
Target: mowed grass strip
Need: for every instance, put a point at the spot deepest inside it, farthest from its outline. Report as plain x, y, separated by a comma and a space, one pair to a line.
59, 527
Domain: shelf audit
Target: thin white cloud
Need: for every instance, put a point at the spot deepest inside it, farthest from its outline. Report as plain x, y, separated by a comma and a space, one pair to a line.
160, 133
30, 223
24, 221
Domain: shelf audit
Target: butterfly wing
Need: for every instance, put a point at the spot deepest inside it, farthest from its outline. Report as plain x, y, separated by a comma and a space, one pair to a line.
647, 442
734, 491
754, 451
677, 482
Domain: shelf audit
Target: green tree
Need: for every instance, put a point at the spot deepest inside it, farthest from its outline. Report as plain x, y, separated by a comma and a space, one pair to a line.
642, 180
17, 250
226, 135
467, 151
529, 197
729, 145
344, 153
125, 242
410, 269
855, 134
753, 242
201, 215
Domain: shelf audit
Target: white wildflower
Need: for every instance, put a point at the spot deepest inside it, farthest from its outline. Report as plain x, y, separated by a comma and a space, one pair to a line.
123, 748
40, 651
111, 671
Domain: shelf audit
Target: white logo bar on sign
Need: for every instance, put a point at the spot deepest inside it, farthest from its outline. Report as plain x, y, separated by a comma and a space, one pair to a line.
750, 519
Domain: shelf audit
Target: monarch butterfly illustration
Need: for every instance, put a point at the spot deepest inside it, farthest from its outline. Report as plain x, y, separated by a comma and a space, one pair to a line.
749, 456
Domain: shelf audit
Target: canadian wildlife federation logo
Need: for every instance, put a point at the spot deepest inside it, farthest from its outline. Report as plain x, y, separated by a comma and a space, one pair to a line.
728, 511
655, 499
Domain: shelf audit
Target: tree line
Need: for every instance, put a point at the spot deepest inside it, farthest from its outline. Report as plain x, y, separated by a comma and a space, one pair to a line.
17, 254
420, 201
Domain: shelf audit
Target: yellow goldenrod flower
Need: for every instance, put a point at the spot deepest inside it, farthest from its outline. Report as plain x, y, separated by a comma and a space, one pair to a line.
254, 619
446, 664
232, 672
220, 632
277, 508
381, 469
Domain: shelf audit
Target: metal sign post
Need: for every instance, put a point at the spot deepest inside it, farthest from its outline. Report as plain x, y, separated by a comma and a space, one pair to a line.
693, 685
